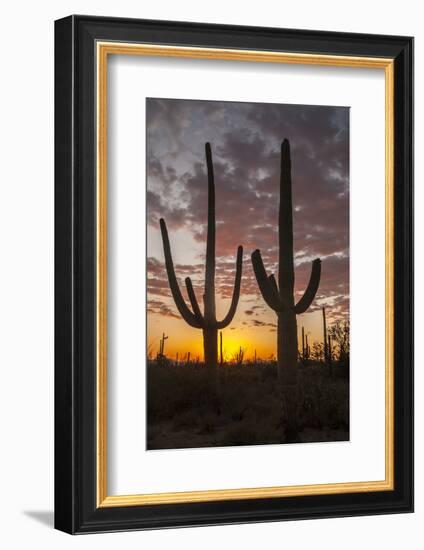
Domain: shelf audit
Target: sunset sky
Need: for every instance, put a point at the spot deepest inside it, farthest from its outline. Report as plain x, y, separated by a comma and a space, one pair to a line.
245, 140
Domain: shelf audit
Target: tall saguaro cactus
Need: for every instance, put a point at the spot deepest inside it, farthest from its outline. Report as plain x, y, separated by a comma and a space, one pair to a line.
280, 297
194, 317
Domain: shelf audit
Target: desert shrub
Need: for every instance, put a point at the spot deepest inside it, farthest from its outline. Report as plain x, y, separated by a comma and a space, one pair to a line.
323, 401
184, 400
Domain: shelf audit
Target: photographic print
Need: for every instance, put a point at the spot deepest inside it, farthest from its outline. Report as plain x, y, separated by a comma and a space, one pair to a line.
247, 273
212, 246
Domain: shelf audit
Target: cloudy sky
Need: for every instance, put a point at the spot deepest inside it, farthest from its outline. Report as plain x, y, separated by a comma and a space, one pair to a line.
245, 140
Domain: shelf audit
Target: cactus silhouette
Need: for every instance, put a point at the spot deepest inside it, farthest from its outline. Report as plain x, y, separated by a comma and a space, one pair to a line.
206, 321
280, 297
162, 345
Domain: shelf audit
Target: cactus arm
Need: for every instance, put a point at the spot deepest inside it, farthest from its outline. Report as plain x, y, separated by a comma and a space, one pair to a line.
265, 286
311, 290
185, 313
273, 282
236, 292
193, 300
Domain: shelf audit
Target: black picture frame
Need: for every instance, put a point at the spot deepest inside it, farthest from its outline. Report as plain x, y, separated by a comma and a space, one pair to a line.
76, 510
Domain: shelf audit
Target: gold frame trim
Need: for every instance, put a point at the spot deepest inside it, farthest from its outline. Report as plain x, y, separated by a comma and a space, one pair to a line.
103, 50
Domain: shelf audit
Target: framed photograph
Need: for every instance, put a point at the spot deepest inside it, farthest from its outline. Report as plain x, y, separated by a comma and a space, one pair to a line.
233, 270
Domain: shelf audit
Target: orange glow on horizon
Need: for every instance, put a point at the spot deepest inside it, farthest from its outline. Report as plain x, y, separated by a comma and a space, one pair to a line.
182, 339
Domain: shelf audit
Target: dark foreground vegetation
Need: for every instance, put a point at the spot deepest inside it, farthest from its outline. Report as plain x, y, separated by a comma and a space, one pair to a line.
185, 408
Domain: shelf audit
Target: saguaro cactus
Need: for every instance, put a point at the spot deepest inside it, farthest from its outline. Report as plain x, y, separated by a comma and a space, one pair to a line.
161, 355
280, 297
206, 321
162, 345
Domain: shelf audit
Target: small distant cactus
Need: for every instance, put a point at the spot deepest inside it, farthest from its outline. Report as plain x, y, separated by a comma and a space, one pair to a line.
206, 321
162, 344
161, 358
280, 297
